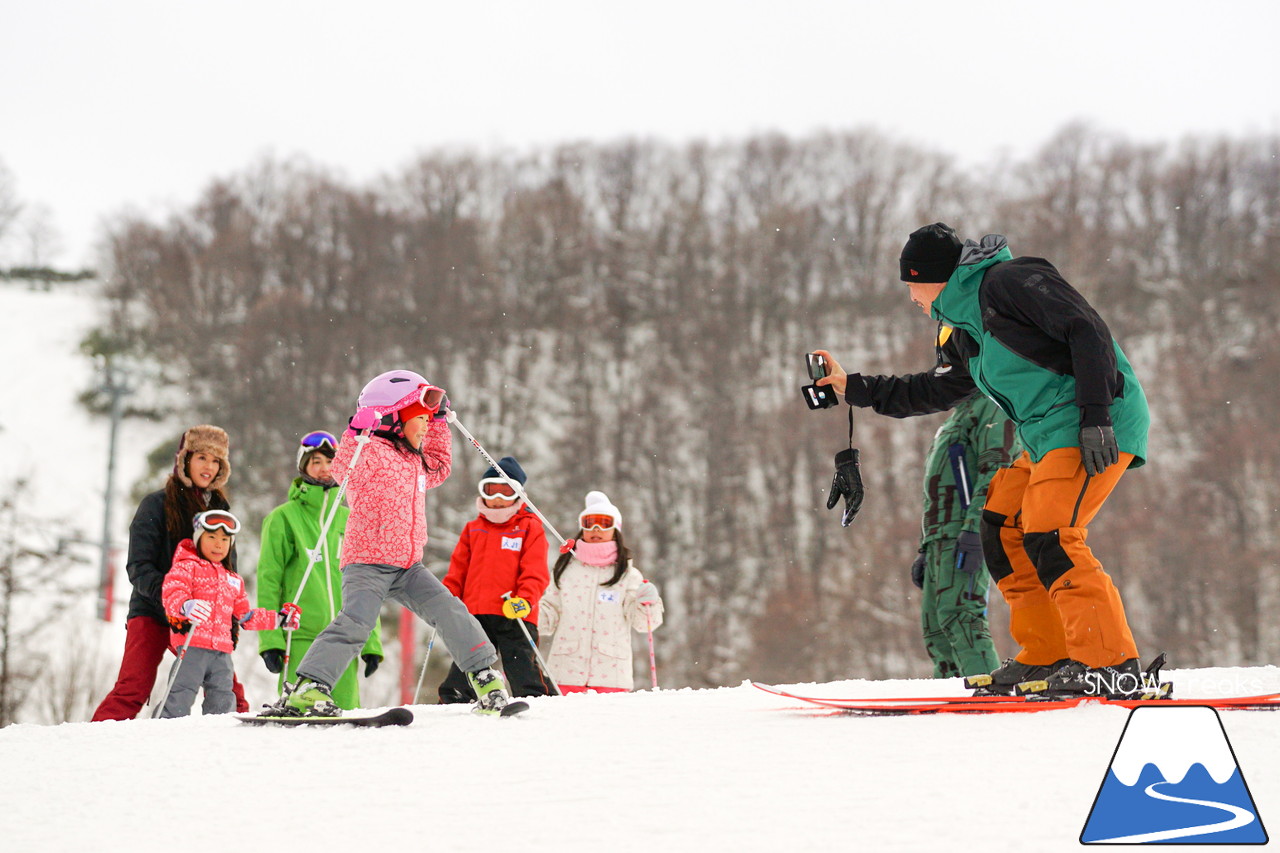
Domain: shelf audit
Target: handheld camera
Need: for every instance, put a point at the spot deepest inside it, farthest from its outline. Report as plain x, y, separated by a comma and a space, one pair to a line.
817, 396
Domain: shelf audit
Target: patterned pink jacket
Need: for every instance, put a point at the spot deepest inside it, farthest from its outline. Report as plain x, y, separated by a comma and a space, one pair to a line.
387, 493
193, 577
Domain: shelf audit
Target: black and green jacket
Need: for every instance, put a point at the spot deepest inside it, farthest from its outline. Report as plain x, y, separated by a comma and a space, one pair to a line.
1029, 341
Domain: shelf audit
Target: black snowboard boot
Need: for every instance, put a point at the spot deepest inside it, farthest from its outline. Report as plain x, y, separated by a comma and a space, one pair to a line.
1008, 675
1125, 680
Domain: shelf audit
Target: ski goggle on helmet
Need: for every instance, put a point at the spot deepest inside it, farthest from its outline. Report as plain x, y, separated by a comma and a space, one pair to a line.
215, 519
429, 397
426, 402
496, 487
316, 440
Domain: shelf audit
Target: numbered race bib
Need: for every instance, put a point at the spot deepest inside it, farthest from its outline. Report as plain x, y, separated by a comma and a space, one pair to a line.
512, 543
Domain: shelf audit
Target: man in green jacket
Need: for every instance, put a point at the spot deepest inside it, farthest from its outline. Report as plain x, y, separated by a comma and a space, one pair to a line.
973, 443
1035, 346
289, 533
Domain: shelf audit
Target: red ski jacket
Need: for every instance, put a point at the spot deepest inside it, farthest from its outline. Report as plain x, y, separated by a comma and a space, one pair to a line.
492, 559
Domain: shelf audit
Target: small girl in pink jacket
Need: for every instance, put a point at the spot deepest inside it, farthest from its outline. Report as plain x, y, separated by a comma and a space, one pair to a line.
203, 596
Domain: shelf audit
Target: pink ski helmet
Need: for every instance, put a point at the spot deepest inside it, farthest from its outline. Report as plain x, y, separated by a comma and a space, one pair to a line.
394, 390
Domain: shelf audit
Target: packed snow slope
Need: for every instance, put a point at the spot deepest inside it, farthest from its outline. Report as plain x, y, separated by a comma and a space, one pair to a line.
729, 769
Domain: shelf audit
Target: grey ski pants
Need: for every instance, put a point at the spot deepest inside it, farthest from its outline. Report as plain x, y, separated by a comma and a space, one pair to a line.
201, 668
364, 587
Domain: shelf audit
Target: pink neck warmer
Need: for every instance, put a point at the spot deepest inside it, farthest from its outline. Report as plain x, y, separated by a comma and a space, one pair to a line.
498, 516
597, 553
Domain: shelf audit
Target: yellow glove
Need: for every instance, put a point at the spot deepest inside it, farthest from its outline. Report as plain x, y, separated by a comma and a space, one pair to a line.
515, 608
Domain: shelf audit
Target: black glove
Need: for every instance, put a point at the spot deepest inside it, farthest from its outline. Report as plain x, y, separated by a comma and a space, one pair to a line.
274, 659
847, 483
968, 552
1098, 448
917, 571
370, 664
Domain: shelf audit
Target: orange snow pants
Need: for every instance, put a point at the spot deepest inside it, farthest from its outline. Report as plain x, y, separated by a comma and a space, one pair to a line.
1061, 603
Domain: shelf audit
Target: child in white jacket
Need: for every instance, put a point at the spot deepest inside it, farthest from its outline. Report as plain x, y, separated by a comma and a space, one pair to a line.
595, 595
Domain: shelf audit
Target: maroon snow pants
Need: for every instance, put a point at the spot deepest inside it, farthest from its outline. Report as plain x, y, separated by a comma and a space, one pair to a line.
145, 642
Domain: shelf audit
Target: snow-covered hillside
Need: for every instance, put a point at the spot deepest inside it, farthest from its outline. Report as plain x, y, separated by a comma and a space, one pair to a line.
730, 769
46, 438
48, 441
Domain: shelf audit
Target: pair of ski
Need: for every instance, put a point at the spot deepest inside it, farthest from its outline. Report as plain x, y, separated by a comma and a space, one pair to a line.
391, 717
902, 706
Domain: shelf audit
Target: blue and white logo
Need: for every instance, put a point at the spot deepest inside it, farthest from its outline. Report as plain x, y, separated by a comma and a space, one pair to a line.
1174, 779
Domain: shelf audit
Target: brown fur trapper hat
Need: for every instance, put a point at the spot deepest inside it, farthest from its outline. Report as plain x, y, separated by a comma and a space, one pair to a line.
209, 439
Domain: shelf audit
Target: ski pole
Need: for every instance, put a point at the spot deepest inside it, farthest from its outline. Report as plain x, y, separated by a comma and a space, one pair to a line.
452, 418
536, 653
423, 674
653, 662
314, 554
173, 676
961, 473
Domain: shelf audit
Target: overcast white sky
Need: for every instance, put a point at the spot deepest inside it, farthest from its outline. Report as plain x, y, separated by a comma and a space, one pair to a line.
140, 102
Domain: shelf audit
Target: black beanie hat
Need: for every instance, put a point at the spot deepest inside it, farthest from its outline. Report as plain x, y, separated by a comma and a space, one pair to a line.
510, 467
931, 254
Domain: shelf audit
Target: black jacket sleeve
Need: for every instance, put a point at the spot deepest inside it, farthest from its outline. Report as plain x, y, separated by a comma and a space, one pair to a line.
919, 393
906, 396
148, 563
1031, 308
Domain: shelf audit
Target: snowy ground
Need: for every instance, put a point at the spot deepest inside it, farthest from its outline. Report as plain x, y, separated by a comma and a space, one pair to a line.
729, 769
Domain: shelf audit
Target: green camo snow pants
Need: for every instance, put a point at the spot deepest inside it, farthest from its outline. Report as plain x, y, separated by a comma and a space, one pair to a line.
953, 614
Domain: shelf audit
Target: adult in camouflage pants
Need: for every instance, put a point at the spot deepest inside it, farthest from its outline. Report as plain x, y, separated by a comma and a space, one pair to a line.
975, 441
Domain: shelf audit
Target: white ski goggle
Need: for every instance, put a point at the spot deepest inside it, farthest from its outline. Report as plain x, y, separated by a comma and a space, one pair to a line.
496, 488
218, 519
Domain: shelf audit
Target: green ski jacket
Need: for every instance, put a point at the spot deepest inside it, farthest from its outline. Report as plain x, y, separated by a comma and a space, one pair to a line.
288, 532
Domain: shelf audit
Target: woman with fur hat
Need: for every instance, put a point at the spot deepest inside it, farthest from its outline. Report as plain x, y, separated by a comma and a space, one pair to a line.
289, 532
164, 518
503, 550
596, 594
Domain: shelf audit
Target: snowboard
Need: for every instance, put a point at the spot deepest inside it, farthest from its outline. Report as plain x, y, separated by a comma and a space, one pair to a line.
392, 717
904, 706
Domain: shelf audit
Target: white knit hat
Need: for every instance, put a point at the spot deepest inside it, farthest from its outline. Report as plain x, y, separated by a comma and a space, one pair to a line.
598, 504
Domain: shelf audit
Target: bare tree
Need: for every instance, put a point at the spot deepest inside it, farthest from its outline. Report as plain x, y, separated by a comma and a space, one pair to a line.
10, 206
35, 589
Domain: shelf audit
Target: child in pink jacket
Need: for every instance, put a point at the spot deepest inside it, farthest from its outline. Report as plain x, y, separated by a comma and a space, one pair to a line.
410, 451
203, 597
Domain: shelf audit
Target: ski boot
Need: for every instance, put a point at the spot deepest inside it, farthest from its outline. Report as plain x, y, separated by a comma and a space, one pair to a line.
491, 692
1003, 680
1125, 680
304, 698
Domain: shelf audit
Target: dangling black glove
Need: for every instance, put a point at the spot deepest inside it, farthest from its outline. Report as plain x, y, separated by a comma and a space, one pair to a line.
1098, 448
917, 571
847, 483
370, 664
274, 659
